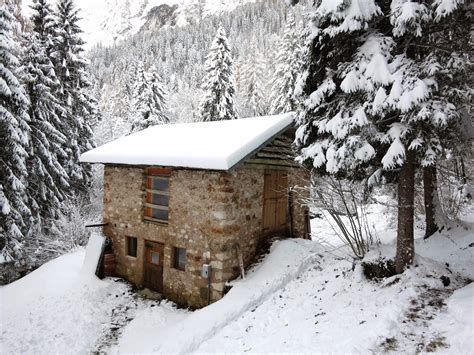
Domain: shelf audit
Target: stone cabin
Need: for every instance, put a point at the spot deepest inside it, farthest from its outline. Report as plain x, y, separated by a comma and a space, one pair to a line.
181, 197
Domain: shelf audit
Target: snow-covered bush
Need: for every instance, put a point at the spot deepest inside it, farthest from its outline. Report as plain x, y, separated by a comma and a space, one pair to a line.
454, 188
43, 246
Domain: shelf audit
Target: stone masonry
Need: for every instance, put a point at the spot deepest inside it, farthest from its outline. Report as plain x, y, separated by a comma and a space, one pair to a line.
213, 214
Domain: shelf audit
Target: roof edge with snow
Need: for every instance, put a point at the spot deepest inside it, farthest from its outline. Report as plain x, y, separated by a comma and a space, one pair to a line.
218, 145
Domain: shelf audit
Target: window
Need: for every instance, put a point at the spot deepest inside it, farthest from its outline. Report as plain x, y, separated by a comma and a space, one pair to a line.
180, 258
155, 257
157, 194
132, 246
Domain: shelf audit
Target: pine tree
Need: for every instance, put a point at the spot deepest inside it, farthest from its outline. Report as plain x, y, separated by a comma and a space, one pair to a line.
50, 180
288, 64
219, 89
149, 100
381, 93
14, 130
15, 8
253, 84
75, 93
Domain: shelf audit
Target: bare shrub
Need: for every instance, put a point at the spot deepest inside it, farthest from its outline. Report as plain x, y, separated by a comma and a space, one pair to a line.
62, 236
345, 207
454, 187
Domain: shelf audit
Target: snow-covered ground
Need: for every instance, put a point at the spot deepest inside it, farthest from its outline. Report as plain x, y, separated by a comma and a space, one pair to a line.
304, 297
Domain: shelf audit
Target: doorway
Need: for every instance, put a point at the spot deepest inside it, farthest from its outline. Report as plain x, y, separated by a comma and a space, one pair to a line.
275, 202
154, 255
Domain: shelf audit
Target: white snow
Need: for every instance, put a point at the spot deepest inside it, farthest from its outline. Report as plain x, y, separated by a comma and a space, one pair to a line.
365, 153
305, 297
286, 261
215, 145
407, 16
456, 323
445, 7
379, 101
54, 310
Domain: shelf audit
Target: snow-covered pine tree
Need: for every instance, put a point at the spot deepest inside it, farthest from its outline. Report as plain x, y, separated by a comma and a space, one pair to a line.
219, 88
253, 84
15, 8
288, 64
149, 100
382, 92
75, 93
48, 183
14, 130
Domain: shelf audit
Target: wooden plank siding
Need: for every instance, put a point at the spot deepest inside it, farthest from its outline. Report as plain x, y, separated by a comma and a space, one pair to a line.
278, 153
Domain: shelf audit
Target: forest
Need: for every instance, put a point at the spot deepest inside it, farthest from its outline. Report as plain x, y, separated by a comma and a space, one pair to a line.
381, 92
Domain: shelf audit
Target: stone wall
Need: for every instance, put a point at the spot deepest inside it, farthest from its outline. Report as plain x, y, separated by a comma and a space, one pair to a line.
193, 207
210, 213
244, 215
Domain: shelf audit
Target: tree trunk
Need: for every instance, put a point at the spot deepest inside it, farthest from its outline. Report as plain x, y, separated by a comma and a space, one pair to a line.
430, 188
406, 199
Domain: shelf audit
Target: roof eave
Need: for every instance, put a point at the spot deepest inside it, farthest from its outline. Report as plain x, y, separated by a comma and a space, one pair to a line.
269, 140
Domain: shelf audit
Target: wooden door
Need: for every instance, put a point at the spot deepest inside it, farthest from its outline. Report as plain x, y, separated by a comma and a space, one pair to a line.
154, 266
275, 202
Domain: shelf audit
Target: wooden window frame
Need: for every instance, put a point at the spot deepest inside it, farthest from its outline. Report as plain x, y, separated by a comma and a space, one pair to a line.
128, 239
162, 174
176, 259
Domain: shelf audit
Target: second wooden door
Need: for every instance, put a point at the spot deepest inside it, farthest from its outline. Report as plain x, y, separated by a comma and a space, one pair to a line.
275, 202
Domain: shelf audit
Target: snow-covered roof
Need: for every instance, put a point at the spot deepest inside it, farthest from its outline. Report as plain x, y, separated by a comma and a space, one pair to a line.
202, 145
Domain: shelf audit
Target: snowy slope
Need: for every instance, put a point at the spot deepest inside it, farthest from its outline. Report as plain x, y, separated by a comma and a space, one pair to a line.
303, 298
108, 21
62, 308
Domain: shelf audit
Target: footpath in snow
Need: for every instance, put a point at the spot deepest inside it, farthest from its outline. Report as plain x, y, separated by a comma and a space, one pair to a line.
287, 260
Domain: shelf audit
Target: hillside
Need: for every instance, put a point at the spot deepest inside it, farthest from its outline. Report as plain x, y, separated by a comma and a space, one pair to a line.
107, 22
305, 296
338, 219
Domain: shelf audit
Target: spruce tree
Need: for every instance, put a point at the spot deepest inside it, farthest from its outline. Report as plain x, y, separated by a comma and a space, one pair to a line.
219, 89
253, 84
75, 93
381, 92
288, 64
49, 180
14, 131
149, 100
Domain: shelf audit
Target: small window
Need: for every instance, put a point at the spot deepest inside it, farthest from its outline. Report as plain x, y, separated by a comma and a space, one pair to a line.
180, 258
157, 194
132, 246
155, 258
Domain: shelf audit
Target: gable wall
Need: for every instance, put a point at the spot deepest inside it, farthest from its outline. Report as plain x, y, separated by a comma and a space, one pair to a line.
244, 224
